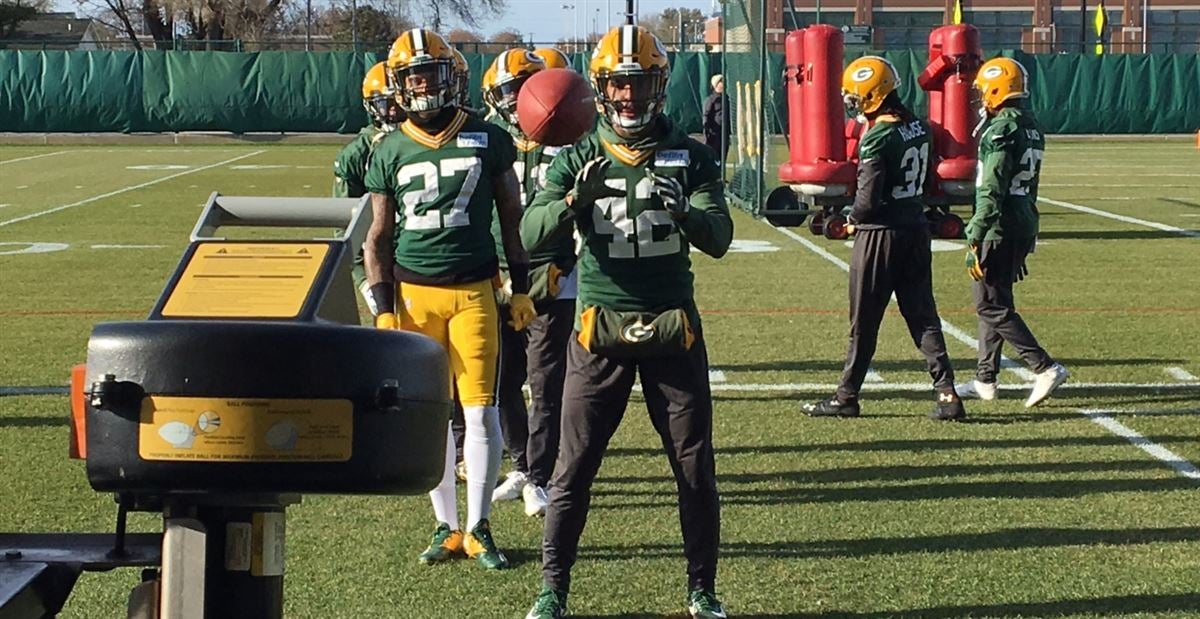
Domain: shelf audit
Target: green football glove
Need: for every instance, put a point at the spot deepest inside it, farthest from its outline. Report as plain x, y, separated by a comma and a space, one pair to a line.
974, 266
590, 185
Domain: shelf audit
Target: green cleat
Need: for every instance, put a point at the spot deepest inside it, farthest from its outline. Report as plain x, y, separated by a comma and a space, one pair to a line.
703, 604
481, 547
550, 604
446, 544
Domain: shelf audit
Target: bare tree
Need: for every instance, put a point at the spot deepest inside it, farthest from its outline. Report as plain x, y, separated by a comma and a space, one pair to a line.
470, 12
666, 25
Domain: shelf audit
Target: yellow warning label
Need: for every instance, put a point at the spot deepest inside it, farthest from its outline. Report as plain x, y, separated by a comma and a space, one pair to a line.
246, 280
245, 430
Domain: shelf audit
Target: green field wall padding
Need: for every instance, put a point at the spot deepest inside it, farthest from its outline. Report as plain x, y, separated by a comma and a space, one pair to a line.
162, 91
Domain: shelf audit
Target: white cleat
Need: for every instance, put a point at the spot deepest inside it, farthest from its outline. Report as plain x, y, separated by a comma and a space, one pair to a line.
510, 490
535, 500
975, 388
1045, 383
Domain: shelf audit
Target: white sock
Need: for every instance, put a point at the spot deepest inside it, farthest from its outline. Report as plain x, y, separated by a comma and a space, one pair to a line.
482, 451
445, 501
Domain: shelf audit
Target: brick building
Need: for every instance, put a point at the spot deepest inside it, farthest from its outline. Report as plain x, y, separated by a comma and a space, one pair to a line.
1037, 26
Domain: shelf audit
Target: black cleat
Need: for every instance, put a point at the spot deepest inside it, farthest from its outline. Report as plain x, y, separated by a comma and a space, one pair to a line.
832, 407
949, 407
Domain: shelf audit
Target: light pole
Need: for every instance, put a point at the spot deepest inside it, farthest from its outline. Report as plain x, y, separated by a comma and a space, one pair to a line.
575, 20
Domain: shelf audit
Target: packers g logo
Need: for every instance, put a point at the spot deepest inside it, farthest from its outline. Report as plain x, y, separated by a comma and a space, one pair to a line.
862, 74
993, 72
637, 332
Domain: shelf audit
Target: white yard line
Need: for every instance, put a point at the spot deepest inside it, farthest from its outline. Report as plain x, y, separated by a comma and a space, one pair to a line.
127, 246
1181, 374
31, 157
873, 377
947, 328
716, 376
125, 189
1170, 458
927, 387
1122, 218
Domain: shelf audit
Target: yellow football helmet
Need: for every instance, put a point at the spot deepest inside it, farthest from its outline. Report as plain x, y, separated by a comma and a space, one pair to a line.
503, 80
999, 80
420, 66
866, 82
462, 77
629, 70
553, 57
378, 97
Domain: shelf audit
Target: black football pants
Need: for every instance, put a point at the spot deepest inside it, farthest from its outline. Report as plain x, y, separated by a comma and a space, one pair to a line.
886, 261
1004, 264
539, 355
679, 401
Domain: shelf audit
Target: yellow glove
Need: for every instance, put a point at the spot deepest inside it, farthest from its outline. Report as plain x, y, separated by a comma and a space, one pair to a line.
522, 311
387, 320
974, 268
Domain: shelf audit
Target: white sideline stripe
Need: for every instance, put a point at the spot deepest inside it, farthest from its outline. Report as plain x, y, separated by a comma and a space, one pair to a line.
1181, 374
716, 376
928, 387
1129, 220
125, 189
1120, 186
1181, 466
35, 391
786, 387
1109, 175
34, 157
947, 328
873, 377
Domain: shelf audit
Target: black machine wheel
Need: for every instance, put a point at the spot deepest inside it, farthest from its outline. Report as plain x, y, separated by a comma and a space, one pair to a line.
816, 225
835, 228
779, 206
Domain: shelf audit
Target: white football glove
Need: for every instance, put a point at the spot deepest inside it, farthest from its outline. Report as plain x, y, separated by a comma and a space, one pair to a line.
670, 191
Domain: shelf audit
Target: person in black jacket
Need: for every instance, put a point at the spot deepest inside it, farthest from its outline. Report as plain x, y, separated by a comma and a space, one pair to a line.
716, 118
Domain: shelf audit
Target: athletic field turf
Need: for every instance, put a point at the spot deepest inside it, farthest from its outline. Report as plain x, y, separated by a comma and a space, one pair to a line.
1085, 507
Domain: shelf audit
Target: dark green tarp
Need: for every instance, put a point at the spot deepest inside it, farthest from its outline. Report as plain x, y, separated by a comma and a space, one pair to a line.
96, 91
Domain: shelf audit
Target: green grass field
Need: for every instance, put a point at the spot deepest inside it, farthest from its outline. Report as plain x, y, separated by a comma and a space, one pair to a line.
1045, 513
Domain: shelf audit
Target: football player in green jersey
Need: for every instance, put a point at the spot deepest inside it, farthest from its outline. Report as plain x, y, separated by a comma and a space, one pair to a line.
350, 167
891, 245
436, 182
640, 193
539, 353
1003, 230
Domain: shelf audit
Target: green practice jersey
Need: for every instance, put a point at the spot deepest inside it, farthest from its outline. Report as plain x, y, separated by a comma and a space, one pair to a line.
350, 167
443, 186
533, 160
1006, 187
635, 255
893, 163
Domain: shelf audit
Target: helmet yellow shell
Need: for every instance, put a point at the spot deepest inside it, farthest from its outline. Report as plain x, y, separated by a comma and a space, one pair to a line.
866, 82
999, 80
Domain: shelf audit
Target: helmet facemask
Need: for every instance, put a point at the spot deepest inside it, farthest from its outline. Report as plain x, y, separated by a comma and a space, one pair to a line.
503, 98
631, 100
383, 109
425, 88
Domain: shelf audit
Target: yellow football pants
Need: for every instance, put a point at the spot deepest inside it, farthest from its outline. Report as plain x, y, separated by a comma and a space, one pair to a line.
464, 320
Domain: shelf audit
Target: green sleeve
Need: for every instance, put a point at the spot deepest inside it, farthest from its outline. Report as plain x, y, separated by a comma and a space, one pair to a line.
379, 177
708, 225
548, 217
349, 169
996, 166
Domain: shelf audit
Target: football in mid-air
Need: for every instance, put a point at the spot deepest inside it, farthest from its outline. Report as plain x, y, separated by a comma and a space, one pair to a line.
556, 107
